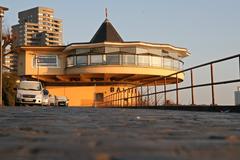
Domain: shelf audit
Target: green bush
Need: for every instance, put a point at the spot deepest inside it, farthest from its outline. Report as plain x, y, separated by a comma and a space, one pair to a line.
9, 83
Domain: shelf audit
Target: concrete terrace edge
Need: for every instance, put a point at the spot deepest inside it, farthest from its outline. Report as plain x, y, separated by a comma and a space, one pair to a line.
197, 108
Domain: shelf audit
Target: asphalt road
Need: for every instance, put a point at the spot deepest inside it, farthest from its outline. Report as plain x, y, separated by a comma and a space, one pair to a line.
117, 134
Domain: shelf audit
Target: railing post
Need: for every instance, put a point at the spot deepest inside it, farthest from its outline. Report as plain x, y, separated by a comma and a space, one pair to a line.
118, 99
131, 90
239, 65
177, 89
110, 100
141, 96
116, 102
132, 98
148, 99
212, 86
155, 90
192, 93
135, 97
113, 99
127, 96
123, 98
165, 93
105, 101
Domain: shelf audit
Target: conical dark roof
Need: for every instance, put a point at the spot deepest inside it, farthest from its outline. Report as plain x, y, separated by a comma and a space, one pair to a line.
106, 33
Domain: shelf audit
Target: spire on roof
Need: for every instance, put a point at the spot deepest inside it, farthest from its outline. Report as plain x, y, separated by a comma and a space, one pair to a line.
106, 13
106, 32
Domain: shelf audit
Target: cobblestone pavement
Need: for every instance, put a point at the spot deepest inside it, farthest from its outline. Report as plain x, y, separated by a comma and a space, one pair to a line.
117, 134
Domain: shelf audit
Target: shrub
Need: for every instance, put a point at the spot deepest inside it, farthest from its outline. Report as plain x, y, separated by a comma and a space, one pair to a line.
9, 83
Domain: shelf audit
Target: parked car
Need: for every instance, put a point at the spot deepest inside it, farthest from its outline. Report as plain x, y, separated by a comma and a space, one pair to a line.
52, 100
62, 101
29, 93
45, 100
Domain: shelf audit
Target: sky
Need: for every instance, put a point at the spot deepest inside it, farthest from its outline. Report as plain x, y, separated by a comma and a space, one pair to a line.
209, 29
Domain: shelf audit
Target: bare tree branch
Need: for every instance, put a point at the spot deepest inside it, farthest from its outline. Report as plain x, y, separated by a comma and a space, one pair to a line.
7, 41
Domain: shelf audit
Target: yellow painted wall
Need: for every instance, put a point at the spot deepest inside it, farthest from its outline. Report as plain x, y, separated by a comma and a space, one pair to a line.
26, 63
81, 96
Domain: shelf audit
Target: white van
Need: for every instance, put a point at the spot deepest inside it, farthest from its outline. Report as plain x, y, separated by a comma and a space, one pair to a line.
29, 92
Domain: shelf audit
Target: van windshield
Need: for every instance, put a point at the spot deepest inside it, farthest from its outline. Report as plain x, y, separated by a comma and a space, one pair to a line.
36, 86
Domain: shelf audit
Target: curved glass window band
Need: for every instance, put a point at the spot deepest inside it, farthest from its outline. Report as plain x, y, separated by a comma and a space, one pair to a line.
124, 59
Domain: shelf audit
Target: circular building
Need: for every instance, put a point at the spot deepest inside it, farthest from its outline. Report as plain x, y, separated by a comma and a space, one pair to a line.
87, 72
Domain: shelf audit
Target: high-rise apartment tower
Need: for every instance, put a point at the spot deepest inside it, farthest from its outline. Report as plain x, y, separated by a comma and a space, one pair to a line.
38, 27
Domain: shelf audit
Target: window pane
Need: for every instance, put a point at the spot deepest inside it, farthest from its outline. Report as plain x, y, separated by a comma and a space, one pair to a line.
156, 61
143, 60
82, 50
70, 61
99, 97
98, 50
82, 60
113, 58
176, 64
46, 61
128, 59
180, 65
167, 62
96, 59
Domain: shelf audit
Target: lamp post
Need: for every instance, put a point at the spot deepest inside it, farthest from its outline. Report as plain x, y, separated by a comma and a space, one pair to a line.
2, 10
38, 69
37, 66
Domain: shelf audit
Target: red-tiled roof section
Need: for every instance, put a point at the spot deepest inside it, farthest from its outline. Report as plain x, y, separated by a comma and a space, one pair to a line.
106, 33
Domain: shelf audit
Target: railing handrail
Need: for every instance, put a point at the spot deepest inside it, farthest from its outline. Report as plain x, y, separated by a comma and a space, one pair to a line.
182, 71
212, 83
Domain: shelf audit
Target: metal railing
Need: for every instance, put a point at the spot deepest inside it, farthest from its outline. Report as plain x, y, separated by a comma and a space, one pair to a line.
148, 94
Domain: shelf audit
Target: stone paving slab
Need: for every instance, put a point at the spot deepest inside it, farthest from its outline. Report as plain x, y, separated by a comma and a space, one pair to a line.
37, 133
